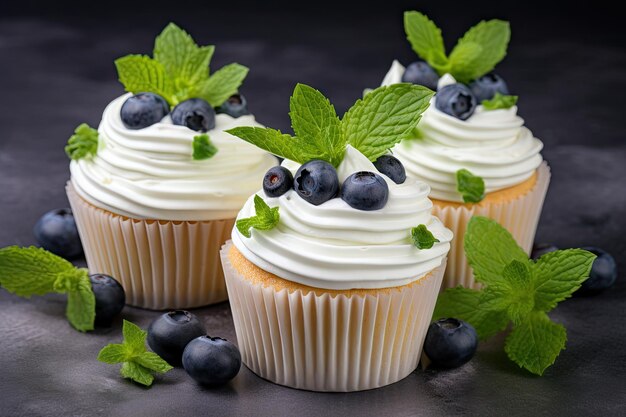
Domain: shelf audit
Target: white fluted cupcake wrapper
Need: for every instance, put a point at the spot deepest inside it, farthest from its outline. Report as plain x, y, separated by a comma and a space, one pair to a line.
519, 216
330, 343
160, 264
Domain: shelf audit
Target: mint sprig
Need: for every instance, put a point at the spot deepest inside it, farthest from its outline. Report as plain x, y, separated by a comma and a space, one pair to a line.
475, 54
34, 271
266, 218
83, 143
516, 290
470, 186
179, 71
138, 364
500, 101
372, 125
422, 237
203, 148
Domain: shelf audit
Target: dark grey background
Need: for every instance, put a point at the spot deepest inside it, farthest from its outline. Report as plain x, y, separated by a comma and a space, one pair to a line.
565, 61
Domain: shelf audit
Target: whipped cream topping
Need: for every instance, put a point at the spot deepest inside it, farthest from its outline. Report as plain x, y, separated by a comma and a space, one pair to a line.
493, 144
334, 246
150, 173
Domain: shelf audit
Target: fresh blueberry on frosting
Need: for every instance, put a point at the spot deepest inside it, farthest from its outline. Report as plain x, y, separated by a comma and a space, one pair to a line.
485, 87
277, 181
143, 110
365, 191
236, 106
194, 113
391, 167
316, 182
421, 73
456, 100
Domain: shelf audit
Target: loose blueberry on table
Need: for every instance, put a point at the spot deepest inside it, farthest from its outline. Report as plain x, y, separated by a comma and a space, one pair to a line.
170, 333
456, 100
277, 181
540, 249
110, 298
211, 361
603, 272
143, 110
421, 73
486, 87
365, 191
56, 232
391, 167
316, 182
450, 343
194, 113
236, 106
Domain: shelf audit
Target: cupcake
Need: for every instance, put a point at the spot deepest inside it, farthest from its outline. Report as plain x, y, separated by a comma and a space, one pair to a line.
471, 147
335, 264
156, 188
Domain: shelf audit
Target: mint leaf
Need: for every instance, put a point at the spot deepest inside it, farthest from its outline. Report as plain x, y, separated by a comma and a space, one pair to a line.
535, 343
222, 84
461, 55
500, 101
422, 237
273, 141
493, 38
513, 294
426, 40
558, 274
140, 73
30, 271
384, 117
314, 119
266, 218
489, 248
134, 338
203, 148
83, 143
470, 186
137, 373
113, 353
81, 304
152, 361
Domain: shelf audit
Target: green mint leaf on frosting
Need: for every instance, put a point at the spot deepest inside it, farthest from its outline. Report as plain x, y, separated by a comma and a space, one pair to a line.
203, 148
266, 218
222, 84
470, 186
422, 237
35, 271
500, 101
426, 40
140, 73
516, 290
138, 364
83, 143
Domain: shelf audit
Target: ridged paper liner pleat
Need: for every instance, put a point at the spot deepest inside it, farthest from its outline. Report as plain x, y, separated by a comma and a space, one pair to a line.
519, 216
330, 343
160, 264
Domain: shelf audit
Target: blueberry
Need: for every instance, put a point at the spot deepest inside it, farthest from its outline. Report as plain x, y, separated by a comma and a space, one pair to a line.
143, 110
316, 182
419, 72
485, 87
56, 232
194, 113
170, 333
110, 298
456, 100
211, 361
540, 249
365, 191
603, 273
277, 181
450, 343
391, 167
235, 106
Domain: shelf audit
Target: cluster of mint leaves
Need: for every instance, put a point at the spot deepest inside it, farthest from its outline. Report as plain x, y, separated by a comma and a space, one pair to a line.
372, 125
203, 148
34, 271
517, 290
179, 71
266, 218
475, 54
470, 186
83, 143
138, 364
500, 101
422, 237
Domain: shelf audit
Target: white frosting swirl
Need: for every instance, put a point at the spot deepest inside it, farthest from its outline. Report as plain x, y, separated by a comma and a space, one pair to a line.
335, 246
150, 173
493, 144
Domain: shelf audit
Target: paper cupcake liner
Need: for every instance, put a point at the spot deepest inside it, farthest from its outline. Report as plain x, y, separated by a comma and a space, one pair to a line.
160, 264
330, 343
519, 216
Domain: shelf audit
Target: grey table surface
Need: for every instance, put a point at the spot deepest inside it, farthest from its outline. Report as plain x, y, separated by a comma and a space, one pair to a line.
57, 72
